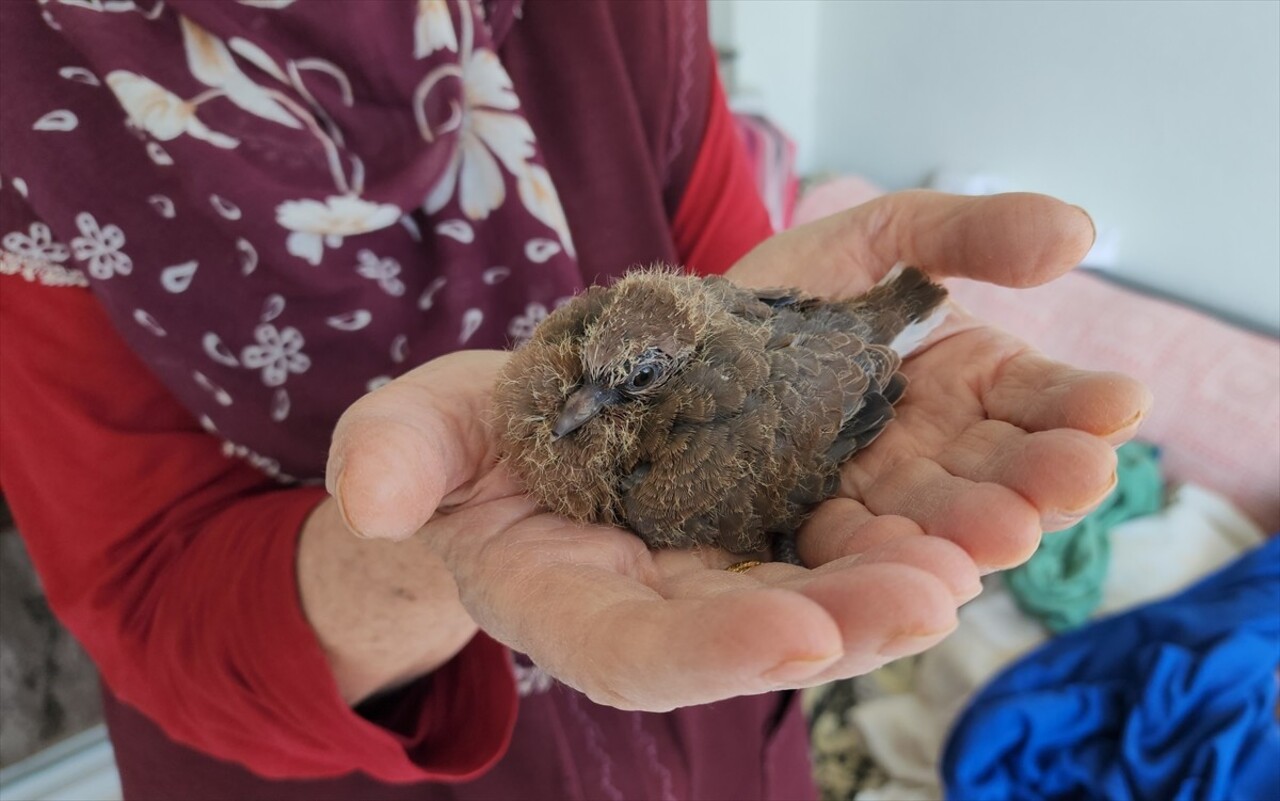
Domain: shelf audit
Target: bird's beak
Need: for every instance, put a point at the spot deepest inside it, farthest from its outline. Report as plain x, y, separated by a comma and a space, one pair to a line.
582, 405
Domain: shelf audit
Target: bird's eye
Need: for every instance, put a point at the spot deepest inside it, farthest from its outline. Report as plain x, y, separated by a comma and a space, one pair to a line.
643, 376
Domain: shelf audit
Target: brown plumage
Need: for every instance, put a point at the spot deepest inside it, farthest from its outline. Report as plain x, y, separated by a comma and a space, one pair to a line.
693, 411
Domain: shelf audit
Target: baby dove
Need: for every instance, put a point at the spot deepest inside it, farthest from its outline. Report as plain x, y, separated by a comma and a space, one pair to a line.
696, 412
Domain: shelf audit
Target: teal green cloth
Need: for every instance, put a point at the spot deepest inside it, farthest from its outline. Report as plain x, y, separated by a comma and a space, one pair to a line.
1061, 584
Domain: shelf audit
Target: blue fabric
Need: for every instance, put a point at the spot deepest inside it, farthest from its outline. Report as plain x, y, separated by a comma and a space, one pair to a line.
1172, 701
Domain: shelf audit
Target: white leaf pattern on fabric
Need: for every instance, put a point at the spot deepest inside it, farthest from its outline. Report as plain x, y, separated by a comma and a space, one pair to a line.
270, 4
411, 225
144, 319
280, 405
278, 353
495, 275
225, 207
248, 255
79, 75
471, 321
351, 321
163, 206
159, 155
256, 56
428, 297
433, 29
539, 250
161, 113
459, 230
58, 120
538, 194
399, 349
37, 243
21, 186
385, 271
87, 5
219, 394
272, 307
177, 279
213, 65
100, 246
217, 350
377, 382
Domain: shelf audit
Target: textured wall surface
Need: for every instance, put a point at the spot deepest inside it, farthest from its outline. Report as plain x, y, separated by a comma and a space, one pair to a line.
48, 686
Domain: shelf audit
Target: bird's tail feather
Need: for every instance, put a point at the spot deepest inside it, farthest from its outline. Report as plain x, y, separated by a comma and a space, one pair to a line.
903, 309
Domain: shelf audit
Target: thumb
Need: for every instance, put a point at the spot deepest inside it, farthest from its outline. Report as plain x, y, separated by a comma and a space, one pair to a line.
1018, 239
398, 453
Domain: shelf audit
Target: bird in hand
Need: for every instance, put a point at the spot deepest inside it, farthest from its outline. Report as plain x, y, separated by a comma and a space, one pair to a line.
696, 412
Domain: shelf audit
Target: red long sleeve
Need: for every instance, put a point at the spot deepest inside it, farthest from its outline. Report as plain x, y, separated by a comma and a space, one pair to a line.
721, 215
174, 565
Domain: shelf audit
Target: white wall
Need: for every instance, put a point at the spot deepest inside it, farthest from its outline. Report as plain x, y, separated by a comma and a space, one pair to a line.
1162, 118
777, 43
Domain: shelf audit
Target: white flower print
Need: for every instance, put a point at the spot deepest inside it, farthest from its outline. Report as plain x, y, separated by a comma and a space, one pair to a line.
100, 246
41, 272
522, 325
316, 224
264, 463
488, 134
278, 353
531, 679
486, 131
37, 243
160, 112
385, 271
433, 29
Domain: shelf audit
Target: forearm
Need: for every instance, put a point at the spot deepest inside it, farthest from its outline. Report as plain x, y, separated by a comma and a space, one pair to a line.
384, 612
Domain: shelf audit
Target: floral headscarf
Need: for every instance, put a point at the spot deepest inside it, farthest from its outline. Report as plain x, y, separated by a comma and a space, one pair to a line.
283, 205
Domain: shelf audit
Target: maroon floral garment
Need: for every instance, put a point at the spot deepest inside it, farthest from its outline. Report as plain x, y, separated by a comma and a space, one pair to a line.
283, 205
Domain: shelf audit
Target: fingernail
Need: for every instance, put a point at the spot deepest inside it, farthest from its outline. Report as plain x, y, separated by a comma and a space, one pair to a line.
1092, 225
797, 670
905, 644
1058, 519
1127, 424
336, 492
966, 595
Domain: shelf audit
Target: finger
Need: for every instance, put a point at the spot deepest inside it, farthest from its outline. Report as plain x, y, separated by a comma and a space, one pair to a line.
996, 526
1063, 472
1017, 239
397, 453
843, 527
1036, 393
884, 611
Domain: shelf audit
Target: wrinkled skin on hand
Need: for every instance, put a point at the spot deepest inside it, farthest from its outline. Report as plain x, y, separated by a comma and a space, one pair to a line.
993, 444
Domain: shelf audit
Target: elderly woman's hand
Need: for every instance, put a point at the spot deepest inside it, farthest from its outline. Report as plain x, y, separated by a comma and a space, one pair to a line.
993, 443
